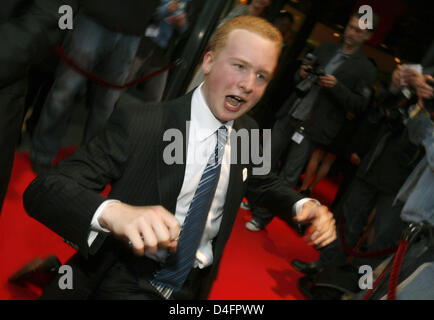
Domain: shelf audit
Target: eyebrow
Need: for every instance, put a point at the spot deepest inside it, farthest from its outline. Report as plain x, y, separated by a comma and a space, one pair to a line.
265, 72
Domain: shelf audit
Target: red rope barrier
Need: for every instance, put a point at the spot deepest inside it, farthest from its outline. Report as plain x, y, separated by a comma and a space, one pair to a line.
358, 244
353, 253
396, 269
394, 273
91, 76
396, 266
380, 277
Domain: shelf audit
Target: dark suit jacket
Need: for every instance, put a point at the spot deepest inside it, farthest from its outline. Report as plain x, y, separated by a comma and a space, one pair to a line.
128, 155
352, 92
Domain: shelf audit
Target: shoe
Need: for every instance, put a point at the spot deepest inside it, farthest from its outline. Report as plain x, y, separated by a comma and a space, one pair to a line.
305, 193
305, 284
40, 168
254, 225
39, 272
306, 267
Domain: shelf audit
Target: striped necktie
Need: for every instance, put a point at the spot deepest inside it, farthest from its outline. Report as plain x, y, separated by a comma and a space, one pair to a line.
178, 265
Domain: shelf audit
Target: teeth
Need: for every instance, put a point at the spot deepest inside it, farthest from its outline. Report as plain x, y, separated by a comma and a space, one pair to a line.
235, 105
234, 102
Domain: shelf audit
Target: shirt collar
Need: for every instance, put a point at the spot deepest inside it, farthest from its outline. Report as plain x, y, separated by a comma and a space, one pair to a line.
202, 119
355, 54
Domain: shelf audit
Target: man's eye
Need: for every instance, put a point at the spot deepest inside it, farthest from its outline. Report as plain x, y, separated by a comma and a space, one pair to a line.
260, 76
239, 66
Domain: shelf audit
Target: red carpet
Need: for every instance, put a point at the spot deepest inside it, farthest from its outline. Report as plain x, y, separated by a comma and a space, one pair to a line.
256, 265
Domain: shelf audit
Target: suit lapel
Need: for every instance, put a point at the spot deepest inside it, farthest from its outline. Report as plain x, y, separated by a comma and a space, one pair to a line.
171, 176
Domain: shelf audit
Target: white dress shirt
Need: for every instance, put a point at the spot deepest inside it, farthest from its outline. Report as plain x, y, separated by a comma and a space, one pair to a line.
201, 144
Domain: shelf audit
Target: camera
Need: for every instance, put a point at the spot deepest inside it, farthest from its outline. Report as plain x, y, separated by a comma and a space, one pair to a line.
396, 105
313, 70
407, 96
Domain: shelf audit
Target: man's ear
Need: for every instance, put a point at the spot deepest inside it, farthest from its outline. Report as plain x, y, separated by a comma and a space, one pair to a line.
208, 61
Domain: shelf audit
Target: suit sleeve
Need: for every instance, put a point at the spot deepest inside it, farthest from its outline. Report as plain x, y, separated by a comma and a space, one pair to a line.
355, 100
272, 192
66, 198
268, 190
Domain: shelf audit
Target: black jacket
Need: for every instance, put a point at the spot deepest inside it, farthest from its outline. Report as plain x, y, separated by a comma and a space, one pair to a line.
398, 157
352, 92
129, 156
130, 16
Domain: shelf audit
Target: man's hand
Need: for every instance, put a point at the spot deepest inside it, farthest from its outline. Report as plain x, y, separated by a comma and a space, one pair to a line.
419, 82
396, 78
147, 228
322, 229
178, 20
327, 81
355, 159
424, 90
173, 6
303, 72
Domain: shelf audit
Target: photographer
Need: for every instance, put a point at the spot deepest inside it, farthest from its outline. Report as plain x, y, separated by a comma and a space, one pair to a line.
340, 81
395, 153
416, 270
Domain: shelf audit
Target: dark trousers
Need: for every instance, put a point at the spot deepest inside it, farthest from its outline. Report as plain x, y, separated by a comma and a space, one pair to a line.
357, 205
132, 282
121, 283
11, 119
293, 164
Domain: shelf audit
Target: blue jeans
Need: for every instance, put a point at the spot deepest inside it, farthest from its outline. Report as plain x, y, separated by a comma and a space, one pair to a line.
95, 49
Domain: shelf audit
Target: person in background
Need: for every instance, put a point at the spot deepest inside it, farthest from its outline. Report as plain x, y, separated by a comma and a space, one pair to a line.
103, 41
28, 35
314, 114
156, 46
386, 166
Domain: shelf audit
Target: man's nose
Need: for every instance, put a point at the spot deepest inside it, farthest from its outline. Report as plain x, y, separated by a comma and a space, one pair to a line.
247, 82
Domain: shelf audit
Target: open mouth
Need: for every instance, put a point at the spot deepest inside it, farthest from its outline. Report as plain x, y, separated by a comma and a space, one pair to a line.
233, 103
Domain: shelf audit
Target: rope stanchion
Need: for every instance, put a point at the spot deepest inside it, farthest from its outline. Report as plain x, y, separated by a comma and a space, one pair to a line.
396, 269
93, 77
396, 266
380, 277
409, 235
